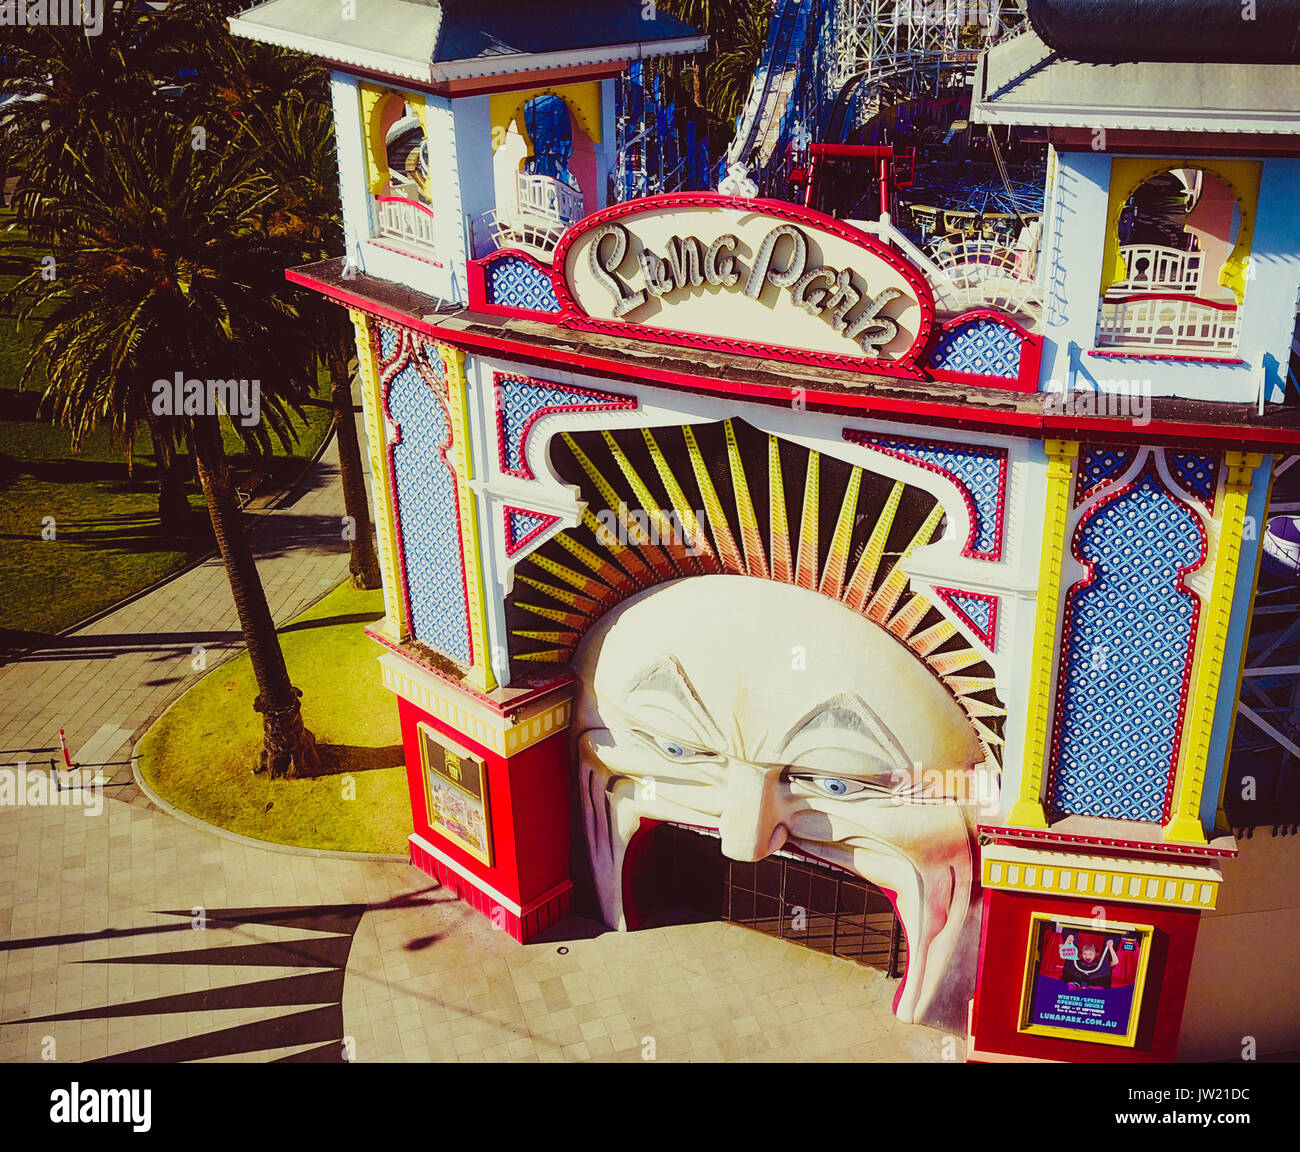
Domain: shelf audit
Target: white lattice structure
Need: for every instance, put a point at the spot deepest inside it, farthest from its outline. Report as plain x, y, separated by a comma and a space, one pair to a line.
1168, 322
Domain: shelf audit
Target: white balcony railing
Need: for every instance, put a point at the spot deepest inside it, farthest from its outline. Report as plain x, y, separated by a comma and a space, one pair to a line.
1178, 324
543, 210
543, 196
401, 218
1156, 268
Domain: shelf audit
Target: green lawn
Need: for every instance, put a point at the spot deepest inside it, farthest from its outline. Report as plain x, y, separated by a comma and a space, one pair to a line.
79, 533
200, 754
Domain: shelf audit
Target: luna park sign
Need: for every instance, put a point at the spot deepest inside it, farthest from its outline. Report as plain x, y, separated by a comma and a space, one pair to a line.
747, 276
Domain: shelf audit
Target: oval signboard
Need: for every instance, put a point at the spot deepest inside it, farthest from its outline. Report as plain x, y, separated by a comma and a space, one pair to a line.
748, 276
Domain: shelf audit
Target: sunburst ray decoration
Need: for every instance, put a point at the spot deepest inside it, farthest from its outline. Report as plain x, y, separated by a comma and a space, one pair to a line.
668, 503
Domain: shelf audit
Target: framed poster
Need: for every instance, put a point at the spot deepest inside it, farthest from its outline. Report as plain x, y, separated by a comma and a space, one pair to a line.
1084, 979
456, 793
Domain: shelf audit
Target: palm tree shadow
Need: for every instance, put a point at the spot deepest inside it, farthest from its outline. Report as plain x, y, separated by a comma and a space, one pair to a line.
341, 759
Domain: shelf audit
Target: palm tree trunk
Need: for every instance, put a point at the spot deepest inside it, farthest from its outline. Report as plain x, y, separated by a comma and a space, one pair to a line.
364, 561
288, 748
173, 503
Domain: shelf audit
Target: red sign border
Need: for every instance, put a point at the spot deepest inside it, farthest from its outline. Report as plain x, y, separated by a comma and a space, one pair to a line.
908, 366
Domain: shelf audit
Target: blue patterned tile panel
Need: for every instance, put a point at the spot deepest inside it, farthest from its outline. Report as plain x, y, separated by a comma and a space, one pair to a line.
1128, 640
980, 473
428, 514
521, 402
978, 610
513, 282
980, 348
1099, 466
522, 528
1196, 473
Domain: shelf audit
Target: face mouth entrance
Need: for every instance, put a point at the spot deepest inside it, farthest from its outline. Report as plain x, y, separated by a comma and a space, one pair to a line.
676, 873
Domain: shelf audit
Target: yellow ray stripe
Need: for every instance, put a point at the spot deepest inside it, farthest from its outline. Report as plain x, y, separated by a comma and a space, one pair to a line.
570, 619
563, 595
662, 531
582, 583
926, 642
985, 733
548, 656
726, 544
805, 568
782, 565
864, 576
837, 555
598, 564
628, 558
705, 557
979, 708
909, 616
947, 662
750, 536
566, 638
965, 685
882, 603
616, 504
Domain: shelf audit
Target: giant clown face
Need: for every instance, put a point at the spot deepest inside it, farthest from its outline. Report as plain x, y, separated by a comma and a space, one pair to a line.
786, 721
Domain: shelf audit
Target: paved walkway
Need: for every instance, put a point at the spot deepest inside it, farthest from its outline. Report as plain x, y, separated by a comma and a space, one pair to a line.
132, 936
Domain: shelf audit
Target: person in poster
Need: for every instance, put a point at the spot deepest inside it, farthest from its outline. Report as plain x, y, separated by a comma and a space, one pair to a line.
1085, 979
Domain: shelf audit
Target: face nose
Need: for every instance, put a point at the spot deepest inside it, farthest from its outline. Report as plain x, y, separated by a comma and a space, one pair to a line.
750, 824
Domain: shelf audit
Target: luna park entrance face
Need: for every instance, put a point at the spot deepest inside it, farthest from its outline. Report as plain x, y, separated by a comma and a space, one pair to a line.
684, 877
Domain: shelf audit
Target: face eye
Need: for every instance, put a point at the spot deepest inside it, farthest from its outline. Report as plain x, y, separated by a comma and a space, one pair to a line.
831, 785
675, 749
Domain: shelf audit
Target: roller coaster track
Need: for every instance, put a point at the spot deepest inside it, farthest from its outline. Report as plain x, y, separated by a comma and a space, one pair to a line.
774, 81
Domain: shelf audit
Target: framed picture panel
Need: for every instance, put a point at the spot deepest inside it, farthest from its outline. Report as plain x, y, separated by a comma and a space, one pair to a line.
456, 793
1084, 979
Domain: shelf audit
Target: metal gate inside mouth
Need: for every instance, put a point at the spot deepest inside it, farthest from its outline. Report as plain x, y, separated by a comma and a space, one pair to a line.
811, 904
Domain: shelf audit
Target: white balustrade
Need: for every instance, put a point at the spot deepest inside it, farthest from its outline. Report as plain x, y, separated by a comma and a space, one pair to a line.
403, 219
1177, 324
543, 196
1157, 268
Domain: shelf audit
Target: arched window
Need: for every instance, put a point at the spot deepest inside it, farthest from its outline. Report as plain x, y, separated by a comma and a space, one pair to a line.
550, 129
407, 153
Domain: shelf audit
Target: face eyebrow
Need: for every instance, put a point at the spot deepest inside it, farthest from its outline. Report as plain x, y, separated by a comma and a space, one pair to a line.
848, 712
666, 677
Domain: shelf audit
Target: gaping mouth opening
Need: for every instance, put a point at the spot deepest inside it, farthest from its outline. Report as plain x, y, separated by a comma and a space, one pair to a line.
676, 873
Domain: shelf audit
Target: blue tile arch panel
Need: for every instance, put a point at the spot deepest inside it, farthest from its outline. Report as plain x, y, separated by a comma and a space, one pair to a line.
522, 527
977, 610
516, 282
427, 508
521, 402
1100, 465
1196, 473
979, 473
1127, 645
980, 348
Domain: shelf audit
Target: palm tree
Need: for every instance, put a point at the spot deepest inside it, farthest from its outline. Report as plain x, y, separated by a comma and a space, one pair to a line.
295, 140
165, 266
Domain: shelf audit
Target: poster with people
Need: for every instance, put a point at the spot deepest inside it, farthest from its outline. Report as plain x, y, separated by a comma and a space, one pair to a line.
456, 787
1085, 979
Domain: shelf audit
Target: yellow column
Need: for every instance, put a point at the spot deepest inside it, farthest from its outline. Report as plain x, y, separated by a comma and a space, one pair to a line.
1028, 809
372, 97
394, 624
461, 457
1207, 665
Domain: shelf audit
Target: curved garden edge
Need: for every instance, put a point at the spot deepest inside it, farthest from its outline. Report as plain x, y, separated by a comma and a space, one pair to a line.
196, 759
